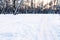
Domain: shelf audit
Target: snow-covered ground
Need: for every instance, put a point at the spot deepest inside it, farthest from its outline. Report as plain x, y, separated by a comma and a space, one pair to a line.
30, 27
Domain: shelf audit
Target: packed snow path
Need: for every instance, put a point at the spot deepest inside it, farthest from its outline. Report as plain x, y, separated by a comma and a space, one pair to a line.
30, 27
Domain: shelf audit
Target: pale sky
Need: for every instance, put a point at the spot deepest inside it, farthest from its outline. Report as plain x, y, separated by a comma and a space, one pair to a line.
42, 0
45, 1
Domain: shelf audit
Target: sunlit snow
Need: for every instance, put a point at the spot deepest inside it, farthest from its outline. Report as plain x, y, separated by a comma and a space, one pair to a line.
30, 27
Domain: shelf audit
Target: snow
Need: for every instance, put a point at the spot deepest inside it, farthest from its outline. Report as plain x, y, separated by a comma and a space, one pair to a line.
30, 27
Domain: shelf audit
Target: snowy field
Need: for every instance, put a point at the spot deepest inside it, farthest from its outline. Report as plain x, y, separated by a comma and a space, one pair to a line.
30, 27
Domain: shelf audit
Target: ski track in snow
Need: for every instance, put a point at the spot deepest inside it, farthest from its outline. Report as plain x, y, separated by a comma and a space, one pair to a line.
30, 27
